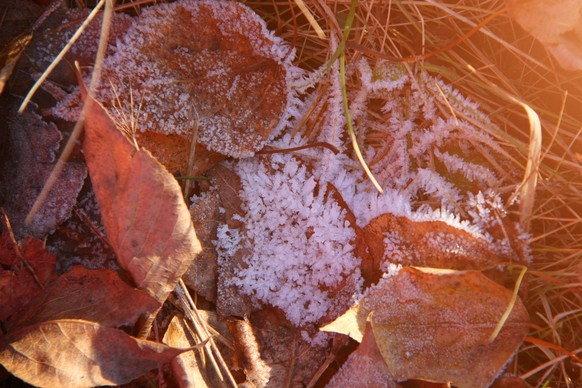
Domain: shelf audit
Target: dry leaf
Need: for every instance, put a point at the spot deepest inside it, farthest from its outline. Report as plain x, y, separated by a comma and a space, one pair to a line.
186, 368
365, 367
202, 274
229, 81
557, 24
25, 268
93, 295
145, 217
76, 353
435, 325
30, 157
400, 240
274, 354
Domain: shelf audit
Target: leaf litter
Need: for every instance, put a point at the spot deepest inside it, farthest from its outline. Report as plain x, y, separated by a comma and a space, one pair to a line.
289, 240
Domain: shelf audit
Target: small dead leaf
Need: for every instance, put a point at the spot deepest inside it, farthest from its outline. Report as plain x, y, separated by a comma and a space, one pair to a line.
400, 240
365, 367
10, 55
25, 268
144, 214
203, 272
31, 152
186, 368
93, 295
76, 353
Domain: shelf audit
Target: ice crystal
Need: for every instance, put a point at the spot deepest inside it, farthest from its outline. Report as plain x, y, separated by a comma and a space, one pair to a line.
298, 239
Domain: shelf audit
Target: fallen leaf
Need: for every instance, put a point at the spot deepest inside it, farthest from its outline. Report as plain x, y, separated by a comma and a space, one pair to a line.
435, 325
25, 268
272, 353
203, 272
144, 214
77, 353
230, 81
30, 156
398, 239
556, 24
93, 295
186, 368
365, 367
9, 57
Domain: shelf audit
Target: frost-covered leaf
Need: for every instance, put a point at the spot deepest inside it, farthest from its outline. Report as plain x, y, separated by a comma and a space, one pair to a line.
77, 353
93, 295
203, 272
25, 268
230, 80
31, 151
435, 325
401, 240
365, 367
145, 217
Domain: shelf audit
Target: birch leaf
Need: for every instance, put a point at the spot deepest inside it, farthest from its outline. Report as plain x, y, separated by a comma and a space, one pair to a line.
144, 214
77, 353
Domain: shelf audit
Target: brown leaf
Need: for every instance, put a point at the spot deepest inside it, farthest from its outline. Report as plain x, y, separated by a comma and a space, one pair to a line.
556, 24
435, 325
230, 302
186, 368
145, 217
76, 353
203, 272
173, 151
93, 295
365, 367
400, 240
30, 157
26, 267
274, 354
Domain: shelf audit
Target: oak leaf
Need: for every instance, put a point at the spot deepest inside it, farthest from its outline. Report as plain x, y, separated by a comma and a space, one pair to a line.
77, 353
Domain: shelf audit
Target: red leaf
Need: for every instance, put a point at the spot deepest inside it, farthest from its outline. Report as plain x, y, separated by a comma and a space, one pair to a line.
94, 295
144, 214
28, 268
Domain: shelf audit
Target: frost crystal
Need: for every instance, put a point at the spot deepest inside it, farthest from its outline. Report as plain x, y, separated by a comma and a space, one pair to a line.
298, 239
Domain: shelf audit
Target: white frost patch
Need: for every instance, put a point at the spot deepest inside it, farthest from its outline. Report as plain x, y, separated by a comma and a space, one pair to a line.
299, 241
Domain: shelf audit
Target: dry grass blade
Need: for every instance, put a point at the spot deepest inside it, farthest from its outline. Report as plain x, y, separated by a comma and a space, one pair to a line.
203, 333
529, 184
